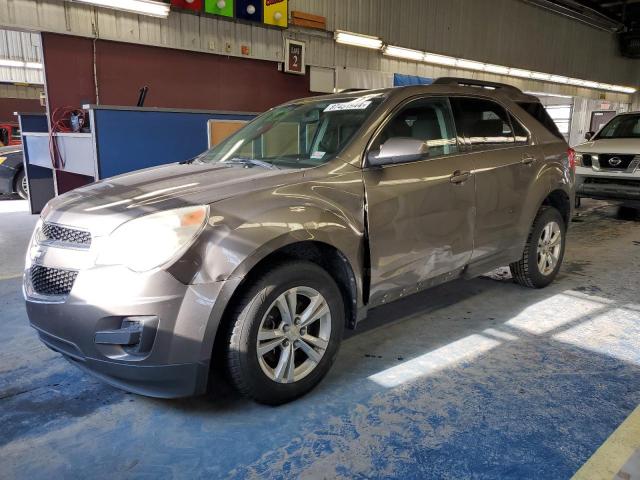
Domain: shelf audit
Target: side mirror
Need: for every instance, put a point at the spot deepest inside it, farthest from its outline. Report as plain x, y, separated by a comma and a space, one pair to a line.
589, 135
398, 150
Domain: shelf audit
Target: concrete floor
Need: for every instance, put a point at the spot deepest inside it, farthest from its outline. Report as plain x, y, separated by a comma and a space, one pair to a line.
479, 379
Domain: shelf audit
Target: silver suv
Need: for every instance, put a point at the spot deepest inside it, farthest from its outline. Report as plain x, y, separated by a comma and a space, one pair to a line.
608, 164
254, 256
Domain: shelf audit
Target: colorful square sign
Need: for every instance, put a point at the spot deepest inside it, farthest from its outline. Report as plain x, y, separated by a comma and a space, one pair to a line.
219, 7
195, 5
249, 10
276, 12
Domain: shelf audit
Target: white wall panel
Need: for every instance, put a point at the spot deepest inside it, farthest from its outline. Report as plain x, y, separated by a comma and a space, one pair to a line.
508, 32
21, 46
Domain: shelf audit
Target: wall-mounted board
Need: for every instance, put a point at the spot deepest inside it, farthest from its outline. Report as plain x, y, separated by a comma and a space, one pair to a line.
221, 129
194, 5
250, 10
276, 12
224, 8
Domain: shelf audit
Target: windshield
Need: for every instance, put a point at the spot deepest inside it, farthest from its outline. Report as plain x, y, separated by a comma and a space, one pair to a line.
622, 126
301, 135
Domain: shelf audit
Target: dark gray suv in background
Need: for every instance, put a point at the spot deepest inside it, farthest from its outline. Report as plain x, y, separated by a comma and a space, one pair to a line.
259, 252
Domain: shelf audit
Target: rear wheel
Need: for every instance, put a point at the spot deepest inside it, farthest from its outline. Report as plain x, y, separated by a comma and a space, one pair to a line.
286, 332
20, 185
544, 251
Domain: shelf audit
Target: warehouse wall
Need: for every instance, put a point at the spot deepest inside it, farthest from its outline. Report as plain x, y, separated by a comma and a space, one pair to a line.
505, 32
176, 79
22, 46
581, 119
10, 105
508, 32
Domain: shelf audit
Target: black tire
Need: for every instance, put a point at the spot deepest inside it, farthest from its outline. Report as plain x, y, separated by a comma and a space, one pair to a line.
18, 185
526, 271
243, 365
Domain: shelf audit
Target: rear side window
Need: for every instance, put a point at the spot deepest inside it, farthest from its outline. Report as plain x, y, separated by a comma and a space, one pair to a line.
482, 123
521, 134
537, 111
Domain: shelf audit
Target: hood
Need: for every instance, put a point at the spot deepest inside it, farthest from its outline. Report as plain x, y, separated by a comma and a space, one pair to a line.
622, 146
102, 206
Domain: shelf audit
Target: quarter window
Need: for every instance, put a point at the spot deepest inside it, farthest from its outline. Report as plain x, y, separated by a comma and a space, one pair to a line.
521, 134
425, 120
482, 123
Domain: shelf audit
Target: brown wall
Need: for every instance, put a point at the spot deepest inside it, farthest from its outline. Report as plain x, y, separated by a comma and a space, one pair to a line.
68, 63
10, 105
176, 78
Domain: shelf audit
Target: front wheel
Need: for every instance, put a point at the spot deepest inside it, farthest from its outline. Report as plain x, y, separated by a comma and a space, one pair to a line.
21, 186
286, 332
544, 251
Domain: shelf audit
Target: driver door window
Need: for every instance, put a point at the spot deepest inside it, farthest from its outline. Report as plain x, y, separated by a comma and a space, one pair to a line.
427, 121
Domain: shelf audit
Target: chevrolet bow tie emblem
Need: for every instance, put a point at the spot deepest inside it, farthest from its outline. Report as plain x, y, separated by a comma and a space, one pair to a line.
615, 161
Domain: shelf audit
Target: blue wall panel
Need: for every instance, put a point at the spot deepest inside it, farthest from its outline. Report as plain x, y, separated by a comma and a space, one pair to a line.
34, 122
401, 80
130, 140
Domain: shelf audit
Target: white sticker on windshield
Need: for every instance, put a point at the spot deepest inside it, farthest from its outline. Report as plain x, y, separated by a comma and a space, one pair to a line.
317, 155
354, 105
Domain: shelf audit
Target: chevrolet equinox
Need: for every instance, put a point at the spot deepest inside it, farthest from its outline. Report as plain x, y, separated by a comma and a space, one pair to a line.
260, 251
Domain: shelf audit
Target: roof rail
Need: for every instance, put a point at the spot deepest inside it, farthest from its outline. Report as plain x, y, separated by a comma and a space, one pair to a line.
470, 82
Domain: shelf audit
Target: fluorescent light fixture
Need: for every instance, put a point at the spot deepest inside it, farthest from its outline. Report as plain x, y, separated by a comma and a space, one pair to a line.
357, 40
401, 52
440, 59
545, 94
141, 7
540, 76
558, 79
520, 73
11, 63
470, 64
19, 64
576, 82
499, 69
366, 41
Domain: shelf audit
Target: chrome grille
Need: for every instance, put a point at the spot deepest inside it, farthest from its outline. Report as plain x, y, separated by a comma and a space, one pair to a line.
56, 233
621, 162
52, 281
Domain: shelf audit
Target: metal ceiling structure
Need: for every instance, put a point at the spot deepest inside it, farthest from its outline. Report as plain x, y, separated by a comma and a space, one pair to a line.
610, 15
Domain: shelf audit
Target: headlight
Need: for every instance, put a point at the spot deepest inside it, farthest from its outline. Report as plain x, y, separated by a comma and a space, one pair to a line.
151, 241
578, 159
33, 244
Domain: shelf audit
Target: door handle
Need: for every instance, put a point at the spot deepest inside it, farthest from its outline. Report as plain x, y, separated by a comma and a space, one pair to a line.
527, 159
459, 177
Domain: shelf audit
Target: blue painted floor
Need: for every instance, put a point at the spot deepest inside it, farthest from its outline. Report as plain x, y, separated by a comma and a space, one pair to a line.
478, 379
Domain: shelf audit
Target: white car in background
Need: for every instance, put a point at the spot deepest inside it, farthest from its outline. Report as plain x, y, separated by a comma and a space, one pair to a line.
608, 164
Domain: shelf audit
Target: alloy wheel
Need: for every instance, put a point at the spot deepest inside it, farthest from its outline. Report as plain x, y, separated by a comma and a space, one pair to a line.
549, 247
294, 335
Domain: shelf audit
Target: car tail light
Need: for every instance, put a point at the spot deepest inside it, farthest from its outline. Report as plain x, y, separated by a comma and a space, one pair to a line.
572, 158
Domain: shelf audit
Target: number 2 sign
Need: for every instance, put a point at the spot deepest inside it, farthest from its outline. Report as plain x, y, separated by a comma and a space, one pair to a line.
294, 57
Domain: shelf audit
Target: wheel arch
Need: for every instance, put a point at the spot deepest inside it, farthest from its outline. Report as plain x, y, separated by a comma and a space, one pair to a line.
327, 256
559, 199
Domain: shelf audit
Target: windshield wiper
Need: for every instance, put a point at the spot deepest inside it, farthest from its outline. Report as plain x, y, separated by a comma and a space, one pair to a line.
251, 162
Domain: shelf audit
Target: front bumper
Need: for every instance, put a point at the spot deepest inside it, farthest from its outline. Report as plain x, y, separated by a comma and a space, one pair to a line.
607, 185
6, 179
176, 361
